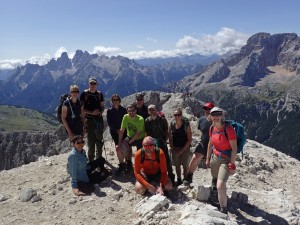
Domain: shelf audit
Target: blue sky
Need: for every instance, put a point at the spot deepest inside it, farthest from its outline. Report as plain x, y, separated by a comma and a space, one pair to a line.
38, 30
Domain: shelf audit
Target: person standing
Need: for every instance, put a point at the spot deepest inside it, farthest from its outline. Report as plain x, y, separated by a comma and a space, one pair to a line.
221, 153
180, 140
93, 105
134, 125
201, 149
150, 169
114, 119
84, 174
156, 126
141, 108
72, 114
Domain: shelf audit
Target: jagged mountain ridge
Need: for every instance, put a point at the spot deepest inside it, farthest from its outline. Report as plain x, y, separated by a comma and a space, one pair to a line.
259, 87
116, 74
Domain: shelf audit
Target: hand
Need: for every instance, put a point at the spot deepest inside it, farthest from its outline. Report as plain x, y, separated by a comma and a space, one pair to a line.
231, 168
207, 162
71, 135
77, 192
160, 191
152, 189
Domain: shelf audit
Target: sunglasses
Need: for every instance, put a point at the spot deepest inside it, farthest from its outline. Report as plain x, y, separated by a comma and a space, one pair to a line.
131, 110
177, 115
148, 146
93, 83
216, 114
139, 99
80, 142
74, 91
151, 109
116, 100
205, 108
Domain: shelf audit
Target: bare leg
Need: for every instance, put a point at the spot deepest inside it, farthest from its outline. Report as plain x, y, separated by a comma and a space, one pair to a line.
139, 188
222, 196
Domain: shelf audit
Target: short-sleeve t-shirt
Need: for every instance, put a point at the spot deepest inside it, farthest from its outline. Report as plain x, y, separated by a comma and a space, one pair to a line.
133, 125
219, 140
91, 101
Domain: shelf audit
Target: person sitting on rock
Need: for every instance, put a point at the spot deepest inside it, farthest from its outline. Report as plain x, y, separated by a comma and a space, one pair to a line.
150, 169
83, 174
221, 153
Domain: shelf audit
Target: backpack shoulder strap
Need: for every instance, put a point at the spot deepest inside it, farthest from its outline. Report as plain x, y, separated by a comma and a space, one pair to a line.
157, 152
142, 155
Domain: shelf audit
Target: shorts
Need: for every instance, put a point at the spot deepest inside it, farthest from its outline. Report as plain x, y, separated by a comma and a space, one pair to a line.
219, 168
201, 149
153, 179
183, 159
137, 143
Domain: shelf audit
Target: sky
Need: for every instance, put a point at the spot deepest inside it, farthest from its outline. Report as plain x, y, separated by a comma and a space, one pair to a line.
37, 30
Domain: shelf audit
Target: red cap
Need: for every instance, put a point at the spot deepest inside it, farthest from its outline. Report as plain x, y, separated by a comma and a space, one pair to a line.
208, 105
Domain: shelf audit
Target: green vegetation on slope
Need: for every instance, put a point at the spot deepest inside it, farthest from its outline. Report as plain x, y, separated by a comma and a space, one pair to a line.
22, 119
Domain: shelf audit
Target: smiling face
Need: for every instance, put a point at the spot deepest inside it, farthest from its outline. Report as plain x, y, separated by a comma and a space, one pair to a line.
78, 143
131, 111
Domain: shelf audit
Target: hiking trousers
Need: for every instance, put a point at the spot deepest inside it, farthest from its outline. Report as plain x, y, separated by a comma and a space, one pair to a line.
161, 144
95, 128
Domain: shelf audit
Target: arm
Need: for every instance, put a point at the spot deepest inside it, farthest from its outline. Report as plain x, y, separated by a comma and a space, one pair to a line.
163, 168
170, 137
64, 113
189, 139
233, 144
137, 170
209, 151
83, 118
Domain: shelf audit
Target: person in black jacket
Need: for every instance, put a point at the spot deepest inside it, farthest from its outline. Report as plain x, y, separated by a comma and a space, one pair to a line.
114, 119
141, 108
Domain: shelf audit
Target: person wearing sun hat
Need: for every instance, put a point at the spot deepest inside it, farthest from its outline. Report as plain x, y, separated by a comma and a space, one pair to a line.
93, 106
221, 163
200, 153
151, 174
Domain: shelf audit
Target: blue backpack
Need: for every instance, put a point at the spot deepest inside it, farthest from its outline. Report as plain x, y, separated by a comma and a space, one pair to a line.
240, 134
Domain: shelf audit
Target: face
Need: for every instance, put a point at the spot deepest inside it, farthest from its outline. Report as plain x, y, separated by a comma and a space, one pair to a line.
139, 101
177, 115
93, 85
78, 144
206, 111
131, 112
148, 148
152, 112
217, 117
116, 101
74, 93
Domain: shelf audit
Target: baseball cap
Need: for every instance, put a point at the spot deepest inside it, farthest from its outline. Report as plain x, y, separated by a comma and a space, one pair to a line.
216, 111
93, 79
151, 107
139, 96
208, 105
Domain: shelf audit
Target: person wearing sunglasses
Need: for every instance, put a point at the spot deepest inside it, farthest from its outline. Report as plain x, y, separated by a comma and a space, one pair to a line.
93, 105
84, 174
134, 126
114, 119
141, 108
180, 138
150, 172
222, 165
72, 114
200, 153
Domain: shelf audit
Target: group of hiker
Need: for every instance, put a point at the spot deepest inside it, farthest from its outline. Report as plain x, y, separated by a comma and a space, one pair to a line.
147, 129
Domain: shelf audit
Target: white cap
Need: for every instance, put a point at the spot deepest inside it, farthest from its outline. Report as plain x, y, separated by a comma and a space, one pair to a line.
216, 109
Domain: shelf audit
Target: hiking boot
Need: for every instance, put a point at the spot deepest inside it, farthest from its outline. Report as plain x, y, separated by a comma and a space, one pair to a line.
214, 184
121, 169
224, 210
129, 167
189, 177
178, 182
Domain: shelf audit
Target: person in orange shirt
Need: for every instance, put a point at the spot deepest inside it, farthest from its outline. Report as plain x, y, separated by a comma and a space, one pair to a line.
150, 169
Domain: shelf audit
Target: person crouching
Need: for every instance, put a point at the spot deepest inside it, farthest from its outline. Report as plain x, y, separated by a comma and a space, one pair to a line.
150, 169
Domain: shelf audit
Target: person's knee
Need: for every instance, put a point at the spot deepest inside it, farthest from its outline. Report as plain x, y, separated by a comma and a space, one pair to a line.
139, 189
221, 185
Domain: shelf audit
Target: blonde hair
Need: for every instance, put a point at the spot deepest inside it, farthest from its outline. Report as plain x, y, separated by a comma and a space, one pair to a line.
74, 88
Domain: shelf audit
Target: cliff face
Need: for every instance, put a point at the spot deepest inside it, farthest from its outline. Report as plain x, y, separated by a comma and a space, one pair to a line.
18, 148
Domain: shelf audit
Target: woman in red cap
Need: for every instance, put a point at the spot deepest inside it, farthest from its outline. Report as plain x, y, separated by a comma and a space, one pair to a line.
201, 149
221, 153
150, 169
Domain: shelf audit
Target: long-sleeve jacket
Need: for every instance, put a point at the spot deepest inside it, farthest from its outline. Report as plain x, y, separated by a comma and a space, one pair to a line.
77, 165
150, 166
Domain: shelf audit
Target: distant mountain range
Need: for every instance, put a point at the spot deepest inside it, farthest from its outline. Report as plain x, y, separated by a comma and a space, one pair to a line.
39, 87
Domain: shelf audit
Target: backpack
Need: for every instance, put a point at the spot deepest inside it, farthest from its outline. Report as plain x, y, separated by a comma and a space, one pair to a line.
156, 153
240, 134
59, 107
185, 122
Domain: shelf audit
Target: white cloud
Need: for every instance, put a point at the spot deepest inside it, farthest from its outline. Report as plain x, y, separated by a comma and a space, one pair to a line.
101, 50
151, 39
58, 52
8, 64
41, 60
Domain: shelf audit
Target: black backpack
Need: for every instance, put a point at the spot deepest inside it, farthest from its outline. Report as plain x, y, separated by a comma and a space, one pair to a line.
156, 153
59, 107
